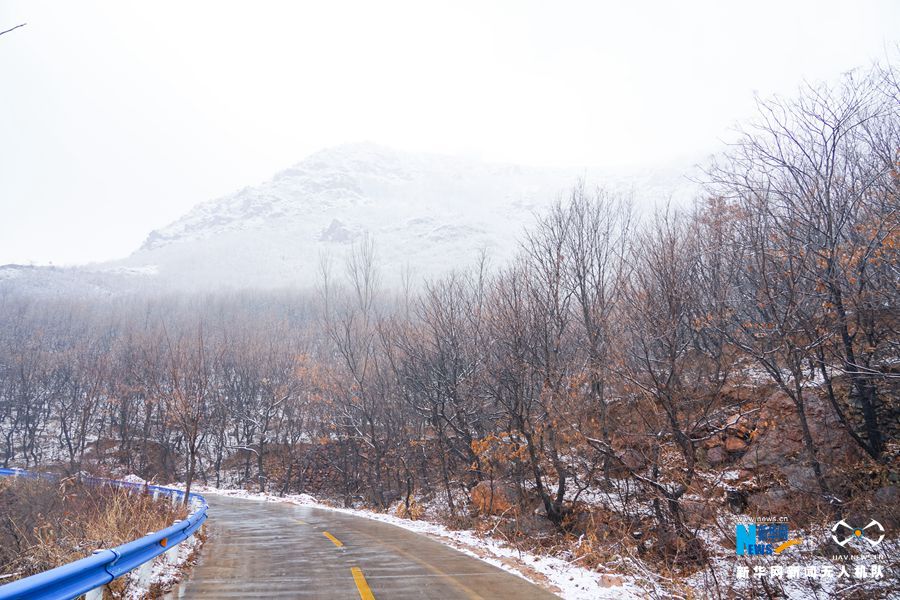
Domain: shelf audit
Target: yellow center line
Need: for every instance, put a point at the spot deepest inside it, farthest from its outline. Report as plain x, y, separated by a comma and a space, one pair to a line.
364, 592
301, 522
336, 541
454, 581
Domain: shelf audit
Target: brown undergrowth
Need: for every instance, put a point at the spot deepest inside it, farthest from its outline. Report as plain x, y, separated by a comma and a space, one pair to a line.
46, 524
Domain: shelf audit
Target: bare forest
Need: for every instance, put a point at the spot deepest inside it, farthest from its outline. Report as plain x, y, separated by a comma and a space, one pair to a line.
629, 378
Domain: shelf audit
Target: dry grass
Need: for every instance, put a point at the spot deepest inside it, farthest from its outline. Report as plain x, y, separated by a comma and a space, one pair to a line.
47, 524
413, 513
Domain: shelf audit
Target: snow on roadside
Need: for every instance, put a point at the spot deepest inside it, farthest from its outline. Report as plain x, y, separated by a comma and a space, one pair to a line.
569, 581
164, 570
133, 479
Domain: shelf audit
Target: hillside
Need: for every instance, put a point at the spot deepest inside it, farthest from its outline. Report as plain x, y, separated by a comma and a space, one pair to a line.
427, 213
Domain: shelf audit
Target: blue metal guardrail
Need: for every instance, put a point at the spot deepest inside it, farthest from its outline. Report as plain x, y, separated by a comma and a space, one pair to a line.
82, 576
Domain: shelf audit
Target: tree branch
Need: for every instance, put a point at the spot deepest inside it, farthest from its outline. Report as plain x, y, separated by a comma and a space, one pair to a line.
14, 28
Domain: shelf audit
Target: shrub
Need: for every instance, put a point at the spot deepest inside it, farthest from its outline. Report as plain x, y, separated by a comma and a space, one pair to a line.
46, 524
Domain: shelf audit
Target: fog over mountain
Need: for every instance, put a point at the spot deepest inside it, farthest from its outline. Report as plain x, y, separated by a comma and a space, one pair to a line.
427, 214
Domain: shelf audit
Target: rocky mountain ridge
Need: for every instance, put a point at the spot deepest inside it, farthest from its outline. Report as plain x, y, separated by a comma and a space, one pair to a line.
426, 213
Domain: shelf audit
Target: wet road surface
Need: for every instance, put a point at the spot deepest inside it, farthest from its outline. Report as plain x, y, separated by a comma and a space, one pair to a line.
271, 550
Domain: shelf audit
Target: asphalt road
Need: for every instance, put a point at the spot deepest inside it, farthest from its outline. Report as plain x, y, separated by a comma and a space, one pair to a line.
271, 550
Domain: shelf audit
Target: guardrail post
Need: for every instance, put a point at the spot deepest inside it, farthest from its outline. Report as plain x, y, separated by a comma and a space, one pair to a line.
95, 594
145, 569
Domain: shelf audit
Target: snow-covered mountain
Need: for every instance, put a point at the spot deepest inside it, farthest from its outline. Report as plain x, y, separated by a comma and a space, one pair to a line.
427, 213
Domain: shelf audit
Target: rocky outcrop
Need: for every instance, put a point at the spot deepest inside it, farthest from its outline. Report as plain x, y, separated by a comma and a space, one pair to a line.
734, 444
731, 443
774, 501
887, 503
778, 442
716, 456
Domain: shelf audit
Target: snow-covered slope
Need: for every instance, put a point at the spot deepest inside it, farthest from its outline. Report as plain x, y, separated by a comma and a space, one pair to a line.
427, 213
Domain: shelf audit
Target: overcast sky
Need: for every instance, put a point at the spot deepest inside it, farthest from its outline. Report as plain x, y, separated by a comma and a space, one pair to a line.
116, 117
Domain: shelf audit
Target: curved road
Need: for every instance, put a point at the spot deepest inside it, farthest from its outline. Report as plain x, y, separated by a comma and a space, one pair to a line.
272, 550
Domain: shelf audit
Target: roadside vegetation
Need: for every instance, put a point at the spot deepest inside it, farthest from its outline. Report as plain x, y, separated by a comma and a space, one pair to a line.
46, 524
620, 394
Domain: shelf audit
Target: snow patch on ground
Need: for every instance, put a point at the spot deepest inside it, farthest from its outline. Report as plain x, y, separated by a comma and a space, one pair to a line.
133, 479
163, 571
563, 578
142, 271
